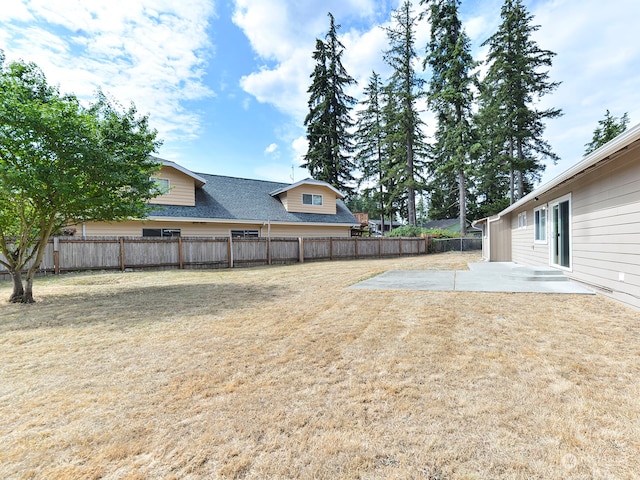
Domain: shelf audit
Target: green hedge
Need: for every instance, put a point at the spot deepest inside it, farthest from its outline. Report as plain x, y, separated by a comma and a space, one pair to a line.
411, 231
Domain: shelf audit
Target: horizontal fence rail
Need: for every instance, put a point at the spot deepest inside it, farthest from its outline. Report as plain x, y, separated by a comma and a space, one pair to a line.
65, 254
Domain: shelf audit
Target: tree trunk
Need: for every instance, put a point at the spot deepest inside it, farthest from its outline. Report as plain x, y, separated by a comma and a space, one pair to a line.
463, 203
520, 173
511, 187
27, 297
512, 193
411, 193
18, 288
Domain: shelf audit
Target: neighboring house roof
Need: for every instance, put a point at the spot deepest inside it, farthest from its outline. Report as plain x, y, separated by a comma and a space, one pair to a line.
306, 181
442, 224
602, 154
386, 223
198, 179
452, 224
230, 198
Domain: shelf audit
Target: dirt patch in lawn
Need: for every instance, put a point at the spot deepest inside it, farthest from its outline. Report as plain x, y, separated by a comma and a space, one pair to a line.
281, 372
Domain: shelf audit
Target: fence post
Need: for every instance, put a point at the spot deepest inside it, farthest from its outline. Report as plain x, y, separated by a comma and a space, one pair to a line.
301, 249
356, 238
379, 247
122, 253
400, 245
56, 256
330, 248
268, 250
180, 262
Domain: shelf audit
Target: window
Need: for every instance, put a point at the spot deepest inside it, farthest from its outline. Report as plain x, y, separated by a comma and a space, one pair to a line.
540, 224
522, 220
161, 186
161, 232
244, 234
308, 199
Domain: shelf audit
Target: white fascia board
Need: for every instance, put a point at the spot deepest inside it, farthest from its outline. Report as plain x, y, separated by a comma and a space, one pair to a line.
168, 163
307, 181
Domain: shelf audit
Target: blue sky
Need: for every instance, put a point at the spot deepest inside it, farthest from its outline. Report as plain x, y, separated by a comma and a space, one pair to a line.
224, 81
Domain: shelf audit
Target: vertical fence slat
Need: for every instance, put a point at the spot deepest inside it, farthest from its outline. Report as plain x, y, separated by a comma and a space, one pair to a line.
113, 253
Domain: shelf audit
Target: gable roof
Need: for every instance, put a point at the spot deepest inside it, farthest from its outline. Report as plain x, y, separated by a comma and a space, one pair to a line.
604, 153
198, 179
307, 181
231, 198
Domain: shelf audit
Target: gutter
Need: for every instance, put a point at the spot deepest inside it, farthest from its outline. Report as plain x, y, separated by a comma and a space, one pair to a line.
610, 148
603, 153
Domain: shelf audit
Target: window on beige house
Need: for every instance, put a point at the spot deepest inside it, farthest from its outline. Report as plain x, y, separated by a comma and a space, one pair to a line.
309, 199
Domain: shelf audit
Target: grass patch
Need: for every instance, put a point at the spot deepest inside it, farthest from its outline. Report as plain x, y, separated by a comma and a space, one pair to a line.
279, 372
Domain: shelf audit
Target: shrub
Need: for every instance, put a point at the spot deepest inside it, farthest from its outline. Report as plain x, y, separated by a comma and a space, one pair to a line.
412, 231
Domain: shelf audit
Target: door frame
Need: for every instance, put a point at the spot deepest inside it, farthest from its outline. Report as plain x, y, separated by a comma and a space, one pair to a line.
553, 233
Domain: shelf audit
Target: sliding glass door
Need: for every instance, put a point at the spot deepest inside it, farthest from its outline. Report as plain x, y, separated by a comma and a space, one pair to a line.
561, 232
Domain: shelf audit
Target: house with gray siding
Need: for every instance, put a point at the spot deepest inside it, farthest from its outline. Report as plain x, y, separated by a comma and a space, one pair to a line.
584, 222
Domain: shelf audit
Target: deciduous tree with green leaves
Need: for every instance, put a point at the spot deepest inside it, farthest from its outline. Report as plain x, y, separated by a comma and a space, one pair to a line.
516, 79
608, 129
62, 163
406, 87
451, 98
328, 122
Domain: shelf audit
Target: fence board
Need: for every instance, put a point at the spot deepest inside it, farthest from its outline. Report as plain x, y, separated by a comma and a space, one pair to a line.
317, 249
284, 250
114, 253
200, 252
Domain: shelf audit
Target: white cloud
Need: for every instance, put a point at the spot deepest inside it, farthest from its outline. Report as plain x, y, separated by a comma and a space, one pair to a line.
598, 64
299, 146
151, 52
283, 33
14, 10
272, 148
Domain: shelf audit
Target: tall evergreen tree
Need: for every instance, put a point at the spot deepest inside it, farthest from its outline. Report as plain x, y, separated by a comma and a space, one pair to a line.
451, 98
394, 165
608, 129
516, 79
369, 138
407, 89
328, 121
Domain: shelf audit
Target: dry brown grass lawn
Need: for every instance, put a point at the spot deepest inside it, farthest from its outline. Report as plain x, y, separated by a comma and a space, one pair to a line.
280, 372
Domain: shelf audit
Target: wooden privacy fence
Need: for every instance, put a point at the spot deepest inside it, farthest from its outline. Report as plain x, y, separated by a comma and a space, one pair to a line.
65, 254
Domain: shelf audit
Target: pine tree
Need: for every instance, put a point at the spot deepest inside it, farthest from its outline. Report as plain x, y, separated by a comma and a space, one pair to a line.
369, 138
328, 122
406, 89
608, 129
516, 79
450, 97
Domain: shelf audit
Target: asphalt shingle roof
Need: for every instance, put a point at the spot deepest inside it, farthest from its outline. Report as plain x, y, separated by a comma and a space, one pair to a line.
246, 199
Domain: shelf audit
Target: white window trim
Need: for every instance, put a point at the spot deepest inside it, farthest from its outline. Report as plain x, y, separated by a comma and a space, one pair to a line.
544, 208
522, 220
551, 204
160, 185
313, 200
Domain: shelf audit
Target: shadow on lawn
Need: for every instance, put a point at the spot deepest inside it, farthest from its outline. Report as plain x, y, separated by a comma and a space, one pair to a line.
129, 306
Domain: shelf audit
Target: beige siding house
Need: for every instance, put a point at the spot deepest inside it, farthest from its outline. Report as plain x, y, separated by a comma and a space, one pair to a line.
197, 204
585, 222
